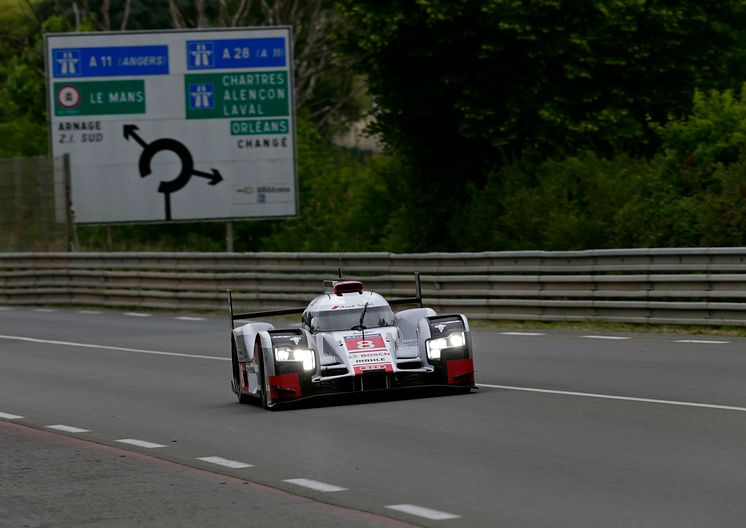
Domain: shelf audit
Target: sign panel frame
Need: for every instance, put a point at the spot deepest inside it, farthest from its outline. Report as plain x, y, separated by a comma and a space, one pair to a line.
175, 126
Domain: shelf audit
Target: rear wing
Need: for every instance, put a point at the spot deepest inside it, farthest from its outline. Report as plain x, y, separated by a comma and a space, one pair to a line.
417, 299
289, 311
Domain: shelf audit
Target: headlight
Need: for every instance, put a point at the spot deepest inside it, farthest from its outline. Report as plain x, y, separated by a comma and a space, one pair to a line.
435, 346
456, 339
296, 354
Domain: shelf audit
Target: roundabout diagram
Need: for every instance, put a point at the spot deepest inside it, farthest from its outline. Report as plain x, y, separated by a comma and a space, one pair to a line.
150, 150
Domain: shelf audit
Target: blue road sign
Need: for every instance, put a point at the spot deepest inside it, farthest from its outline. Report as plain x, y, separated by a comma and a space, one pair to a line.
236, 53
68, 63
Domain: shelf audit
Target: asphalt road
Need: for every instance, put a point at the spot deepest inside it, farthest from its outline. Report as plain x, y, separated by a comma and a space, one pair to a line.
568, 429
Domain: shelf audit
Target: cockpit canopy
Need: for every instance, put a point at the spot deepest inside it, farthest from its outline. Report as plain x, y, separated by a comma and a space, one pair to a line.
349, 319
343, 306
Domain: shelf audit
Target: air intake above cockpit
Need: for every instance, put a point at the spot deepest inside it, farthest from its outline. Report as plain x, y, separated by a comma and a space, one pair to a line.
348, 287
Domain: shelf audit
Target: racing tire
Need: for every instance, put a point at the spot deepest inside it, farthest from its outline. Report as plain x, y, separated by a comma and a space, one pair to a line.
242, 398
263, 387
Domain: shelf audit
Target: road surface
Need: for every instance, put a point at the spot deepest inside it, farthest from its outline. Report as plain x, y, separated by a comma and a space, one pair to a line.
126, 419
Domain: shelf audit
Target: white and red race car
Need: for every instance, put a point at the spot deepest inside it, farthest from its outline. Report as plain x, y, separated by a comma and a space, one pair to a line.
349, 341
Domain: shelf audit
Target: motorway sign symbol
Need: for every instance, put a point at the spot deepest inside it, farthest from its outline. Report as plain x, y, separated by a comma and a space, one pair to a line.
175, 125
66, 62
201, 96
201, 55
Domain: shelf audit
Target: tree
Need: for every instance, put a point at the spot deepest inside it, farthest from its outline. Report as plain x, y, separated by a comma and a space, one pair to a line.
23, 112
697, 194
464, 87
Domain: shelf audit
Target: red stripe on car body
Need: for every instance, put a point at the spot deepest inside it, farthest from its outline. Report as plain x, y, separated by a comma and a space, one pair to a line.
284, 386
460, 371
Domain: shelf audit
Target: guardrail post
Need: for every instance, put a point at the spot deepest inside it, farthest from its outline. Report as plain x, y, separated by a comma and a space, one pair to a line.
229, 237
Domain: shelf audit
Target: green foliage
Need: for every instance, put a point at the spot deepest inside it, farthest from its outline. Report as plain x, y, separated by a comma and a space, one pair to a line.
693, 193
22, 136
542, 77
713, 135
697, 195
22, 87
509, 125
464, 88
204, 236
561, 204
89, 14
346, 199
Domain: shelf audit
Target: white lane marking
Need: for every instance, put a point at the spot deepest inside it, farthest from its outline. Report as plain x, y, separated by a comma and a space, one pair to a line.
187, 318
220, 461
107, 347
68, 429
315, 485
622, 398
523, 333
604, 337
89, 312
701, 341
419, 511
4, 308
44, 310
139, 443
8, 416
137, 314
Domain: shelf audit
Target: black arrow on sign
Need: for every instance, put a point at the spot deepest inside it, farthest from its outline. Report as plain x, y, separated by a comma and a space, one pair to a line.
129, 132
213, 176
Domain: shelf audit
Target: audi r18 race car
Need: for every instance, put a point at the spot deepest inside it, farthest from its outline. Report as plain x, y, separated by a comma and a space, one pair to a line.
349, 341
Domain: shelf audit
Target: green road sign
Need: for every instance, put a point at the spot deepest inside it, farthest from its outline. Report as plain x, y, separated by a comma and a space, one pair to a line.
99, 98
240, 94
255, 127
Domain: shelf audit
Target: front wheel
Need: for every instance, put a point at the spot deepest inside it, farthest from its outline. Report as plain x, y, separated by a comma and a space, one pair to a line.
263, 386
242, 398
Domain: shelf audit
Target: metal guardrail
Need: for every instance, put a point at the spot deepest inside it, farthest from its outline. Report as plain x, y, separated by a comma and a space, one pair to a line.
705, 286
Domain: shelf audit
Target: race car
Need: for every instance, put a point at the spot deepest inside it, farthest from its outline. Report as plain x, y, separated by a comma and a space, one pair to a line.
349, 341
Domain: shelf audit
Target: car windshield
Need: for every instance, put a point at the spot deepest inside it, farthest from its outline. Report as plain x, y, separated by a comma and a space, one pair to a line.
334, 320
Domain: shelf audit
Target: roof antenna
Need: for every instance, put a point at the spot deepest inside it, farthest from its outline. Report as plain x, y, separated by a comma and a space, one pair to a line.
339, 269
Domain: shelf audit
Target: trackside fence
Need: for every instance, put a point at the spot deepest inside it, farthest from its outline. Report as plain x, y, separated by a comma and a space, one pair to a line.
704, 286
35, 213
